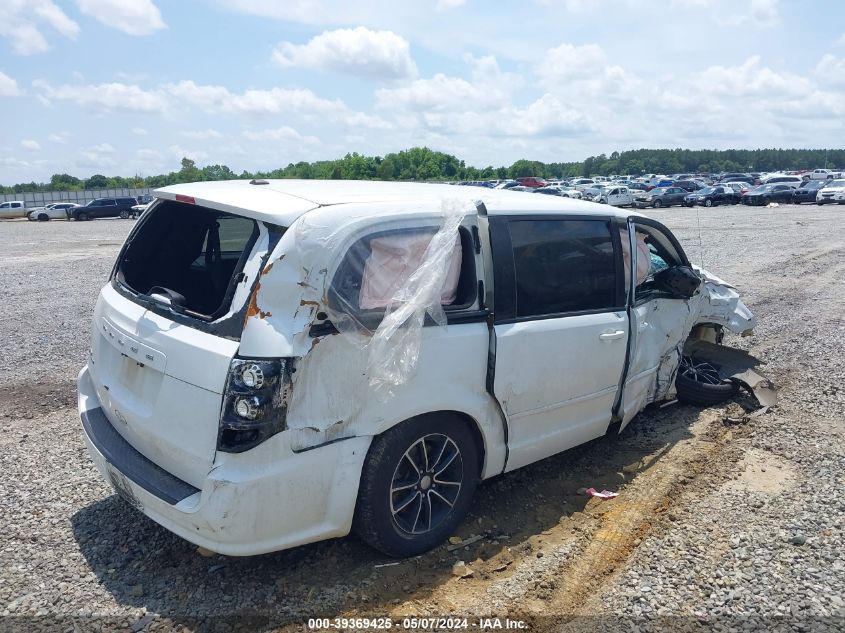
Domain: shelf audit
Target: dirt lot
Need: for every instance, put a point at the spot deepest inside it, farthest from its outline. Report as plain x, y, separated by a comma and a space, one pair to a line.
737, 525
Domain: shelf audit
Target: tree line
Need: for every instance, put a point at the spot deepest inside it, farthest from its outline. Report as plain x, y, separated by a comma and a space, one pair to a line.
424, 164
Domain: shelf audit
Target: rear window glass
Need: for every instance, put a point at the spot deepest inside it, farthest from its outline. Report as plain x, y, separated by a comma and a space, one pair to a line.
190, 254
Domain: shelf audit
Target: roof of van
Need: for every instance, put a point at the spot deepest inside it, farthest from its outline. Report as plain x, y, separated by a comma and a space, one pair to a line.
282, 201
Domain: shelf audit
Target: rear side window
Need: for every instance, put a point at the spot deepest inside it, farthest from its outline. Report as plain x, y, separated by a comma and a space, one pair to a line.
379, 265
562, 266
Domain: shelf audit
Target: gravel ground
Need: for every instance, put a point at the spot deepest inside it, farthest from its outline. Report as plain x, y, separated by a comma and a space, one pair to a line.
739, 527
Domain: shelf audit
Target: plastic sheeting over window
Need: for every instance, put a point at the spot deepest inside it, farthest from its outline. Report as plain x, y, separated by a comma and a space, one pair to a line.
388, 286
643, 257
392, 261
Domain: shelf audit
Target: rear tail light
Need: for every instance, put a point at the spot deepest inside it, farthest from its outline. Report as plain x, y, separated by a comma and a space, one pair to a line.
255, 402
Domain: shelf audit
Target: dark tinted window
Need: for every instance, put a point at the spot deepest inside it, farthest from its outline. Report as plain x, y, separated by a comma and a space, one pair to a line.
562, 266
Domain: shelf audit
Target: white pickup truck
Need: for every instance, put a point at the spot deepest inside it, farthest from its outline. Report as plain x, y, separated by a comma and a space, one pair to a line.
822, 174
617, 197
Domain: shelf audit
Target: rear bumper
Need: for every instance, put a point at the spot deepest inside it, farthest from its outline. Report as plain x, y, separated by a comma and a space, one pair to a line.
263, 500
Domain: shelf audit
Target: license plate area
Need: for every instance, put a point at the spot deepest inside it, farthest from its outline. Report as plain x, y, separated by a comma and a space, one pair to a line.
122, 488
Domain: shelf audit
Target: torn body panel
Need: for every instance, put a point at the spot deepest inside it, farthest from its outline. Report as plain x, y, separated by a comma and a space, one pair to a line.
660, 327
332, 394
737, 366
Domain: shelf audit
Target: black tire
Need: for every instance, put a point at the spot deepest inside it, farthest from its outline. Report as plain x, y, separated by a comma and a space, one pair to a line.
704, 390
82, 217
708, 202
43, 217
657, 204
124, 215
385, 527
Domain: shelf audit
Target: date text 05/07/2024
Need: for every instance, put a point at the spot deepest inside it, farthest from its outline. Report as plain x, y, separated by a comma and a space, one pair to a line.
416, 623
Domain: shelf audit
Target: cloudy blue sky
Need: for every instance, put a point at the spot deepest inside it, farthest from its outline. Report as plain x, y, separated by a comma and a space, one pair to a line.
131, 86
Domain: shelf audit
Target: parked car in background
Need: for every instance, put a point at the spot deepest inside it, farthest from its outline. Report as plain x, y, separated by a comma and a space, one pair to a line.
582, 183
549, 191
570, 192
52, 211
105, 208
660, 197
531, 181
689, 185
593, 191
507, 184
764, 194
13, 209
139, 209
712, 196
808, 190
773, 179
617, 196
822, 174
834, 191
737, 178
740, 187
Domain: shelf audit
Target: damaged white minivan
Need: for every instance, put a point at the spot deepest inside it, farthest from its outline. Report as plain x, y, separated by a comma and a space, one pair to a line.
274, 363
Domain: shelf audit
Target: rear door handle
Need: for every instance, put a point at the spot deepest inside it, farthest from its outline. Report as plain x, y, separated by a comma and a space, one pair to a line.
612, 336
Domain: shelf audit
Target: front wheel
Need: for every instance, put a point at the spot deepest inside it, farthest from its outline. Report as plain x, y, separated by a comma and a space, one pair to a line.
698, 382
81, 217
708, 203
657, 204
124, 215
43, 217
417, 484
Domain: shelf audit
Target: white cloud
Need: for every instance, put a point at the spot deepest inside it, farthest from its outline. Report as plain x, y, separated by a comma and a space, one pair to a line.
21, 22
103, 148
108, 96
284, 133
359, 51
438, 94
200, 134
273, 101
482, 106
8, 86
139, 131
445, 5
831, 70
135, 17
758, 13
567, 62
751, 79
179, 152
31, 145
59, 137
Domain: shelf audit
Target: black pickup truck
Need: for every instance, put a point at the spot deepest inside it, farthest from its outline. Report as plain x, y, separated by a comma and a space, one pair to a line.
104, 208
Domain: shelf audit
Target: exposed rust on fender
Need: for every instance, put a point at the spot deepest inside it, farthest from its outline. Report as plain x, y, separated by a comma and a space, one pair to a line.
252, 308
308, 302
267, 268
314, 343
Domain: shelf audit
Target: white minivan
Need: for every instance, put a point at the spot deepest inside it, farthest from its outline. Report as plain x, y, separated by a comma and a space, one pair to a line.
278, 362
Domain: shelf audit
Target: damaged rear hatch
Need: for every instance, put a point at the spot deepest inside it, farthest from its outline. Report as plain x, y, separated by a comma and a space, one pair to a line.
168, 324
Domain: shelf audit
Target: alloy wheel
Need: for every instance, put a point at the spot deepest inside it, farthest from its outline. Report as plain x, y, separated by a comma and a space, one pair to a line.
426, 484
